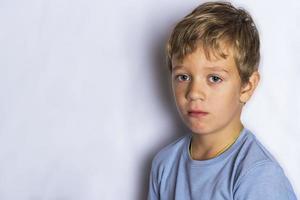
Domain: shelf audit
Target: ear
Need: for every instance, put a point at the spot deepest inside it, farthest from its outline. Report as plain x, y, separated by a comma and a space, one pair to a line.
248, 88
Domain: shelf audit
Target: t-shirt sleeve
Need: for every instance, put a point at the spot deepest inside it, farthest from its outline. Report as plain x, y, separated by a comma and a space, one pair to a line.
264, 181
153, 186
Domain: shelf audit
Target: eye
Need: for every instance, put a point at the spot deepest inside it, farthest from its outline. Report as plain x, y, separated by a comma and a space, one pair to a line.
182, 77
214, 79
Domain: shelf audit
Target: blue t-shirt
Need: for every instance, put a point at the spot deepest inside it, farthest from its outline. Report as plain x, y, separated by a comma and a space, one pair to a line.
245, 171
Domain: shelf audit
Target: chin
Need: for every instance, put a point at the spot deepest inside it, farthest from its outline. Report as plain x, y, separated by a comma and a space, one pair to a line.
200, 129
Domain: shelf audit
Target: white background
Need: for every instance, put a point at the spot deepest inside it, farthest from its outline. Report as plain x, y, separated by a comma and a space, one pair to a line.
86, 98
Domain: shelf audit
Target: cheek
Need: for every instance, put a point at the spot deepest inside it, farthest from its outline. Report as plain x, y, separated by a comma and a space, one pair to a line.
178, 92
179, 95
226, 100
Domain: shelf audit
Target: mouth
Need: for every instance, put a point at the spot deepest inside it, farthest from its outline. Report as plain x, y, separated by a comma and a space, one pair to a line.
197, 113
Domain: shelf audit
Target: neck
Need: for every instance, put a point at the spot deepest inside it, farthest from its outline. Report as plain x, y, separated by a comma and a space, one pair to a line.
209, 145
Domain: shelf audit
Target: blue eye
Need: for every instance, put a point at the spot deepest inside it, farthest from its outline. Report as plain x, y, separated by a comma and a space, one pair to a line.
184, 76
215, 79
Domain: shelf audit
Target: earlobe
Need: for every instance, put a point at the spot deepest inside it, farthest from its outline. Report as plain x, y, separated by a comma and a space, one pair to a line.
248, 89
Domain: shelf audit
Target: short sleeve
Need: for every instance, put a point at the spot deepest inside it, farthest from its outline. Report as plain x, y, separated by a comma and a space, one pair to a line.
153, 191
265, 181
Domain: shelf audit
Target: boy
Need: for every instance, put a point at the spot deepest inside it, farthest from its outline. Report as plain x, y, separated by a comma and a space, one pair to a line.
213, 56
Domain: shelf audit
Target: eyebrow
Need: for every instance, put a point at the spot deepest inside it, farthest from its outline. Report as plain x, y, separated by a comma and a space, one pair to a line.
177, 67
215, 68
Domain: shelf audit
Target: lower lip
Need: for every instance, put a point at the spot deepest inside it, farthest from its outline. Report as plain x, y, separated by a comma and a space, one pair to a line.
197, 114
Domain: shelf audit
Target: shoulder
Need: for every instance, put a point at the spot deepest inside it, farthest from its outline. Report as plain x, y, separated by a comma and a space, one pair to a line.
258, 173
265, 180
252, 154
170, 153
162, 163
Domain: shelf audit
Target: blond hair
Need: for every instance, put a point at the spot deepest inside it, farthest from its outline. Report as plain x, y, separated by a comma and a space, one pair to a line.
211, 24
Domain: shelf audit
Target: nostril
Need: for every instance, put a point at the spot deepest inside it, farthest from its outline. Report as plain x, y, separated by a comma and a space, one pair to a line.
194, 95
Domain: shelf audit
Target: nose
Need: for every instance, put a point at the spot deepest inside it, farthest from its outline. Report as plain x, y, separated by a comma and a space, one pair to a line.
196, 91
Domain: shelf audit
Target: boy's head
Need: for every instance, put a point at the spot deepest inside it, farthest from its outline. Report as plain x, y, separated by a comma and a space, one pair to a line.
213, 55
211, 24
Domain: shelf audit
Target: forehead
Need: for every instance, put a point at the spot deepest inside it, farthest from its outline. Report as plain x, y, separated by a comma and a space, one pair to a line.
207, 59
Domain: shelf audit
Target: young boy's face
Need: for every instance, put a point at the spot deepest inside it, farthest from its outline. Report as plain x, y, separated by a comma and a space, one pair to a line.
211, 86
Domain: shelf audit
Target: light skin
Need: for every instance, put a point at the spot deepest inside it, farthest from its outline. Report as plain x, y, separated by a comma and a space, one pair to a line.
213, 86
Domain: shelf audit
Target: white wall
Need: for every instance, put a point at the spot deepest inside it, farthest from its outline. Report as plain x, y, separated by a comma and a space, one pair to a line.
86, 102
